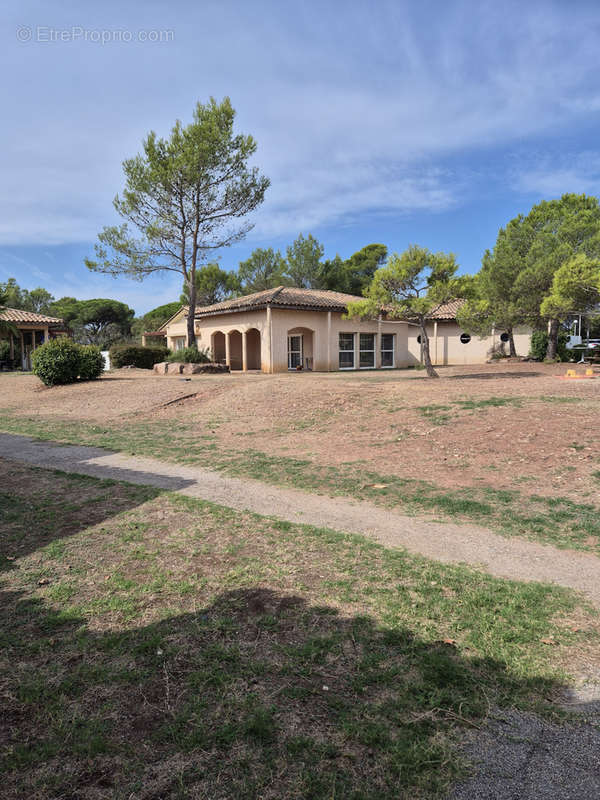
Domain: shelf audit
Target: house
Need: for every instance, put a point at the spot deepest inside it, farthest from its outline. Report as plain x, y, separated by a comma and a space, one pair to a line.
32, 330
286, 328
449, 344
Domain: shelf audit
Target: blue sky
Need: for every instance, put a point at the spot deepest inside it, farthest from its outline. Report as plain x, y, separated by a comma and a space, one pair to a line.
428, 122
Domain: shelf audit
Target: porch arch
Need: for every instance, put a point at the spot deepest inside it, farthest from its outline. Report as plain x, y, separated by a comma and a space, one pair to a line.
253, 360
218, 347
235, 350
307, 347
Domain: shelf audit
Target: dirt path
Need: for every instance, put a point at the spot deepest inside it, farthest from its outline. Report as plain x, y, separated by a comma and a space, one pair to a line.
500, 556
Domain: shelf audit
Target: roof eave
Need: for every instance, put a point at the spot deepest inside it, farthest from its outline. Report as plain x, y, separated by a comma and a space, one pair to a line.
264, 306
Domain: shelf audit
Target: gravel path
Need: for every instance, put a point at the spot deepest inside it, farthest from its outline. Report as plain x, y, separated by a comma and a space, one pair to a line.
504, 557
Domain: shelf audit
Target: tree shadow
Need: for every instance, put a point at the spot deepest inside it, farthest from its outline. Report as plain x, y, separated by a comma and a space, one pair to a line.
87, 460
257, 695
494, 375
57, 506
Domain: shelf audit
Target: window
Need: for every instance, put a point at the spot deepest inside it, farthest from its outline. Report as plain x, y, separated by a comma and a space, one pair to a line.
179, 343
346, 346
366, 356
465, 338
504, 337
387, 350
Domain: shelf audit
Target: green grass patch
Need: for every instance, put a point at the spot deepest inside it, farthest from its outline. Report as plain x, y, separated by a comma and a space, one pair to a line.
246, 655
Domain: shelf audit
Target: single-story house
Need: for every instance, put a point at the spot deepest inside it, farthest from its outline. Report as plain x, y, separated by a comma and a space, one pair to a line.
32, 330
286, 328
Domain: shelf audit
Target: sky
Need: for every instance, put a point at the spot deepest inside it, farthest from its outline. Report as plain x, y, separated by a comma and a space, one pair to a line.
397, 122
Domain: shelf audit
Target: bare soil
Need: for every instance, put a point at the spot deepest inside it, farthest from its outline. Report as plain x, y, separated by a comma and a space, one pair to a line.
496, 425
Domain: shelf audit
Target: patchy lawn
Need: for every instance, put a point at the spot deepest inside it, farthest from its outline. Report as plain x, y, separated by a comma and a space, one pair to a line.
511, 447
154, 646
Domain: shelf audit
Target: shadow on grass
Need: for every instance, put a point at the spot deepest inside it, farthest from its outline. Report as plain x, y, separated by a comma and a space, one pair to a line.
39, 512
494, 375
87, 459
259, 695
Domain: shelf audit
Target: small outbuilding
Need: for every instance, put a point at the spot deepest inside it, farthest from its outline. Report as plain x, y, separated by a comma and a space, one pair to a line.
32, 330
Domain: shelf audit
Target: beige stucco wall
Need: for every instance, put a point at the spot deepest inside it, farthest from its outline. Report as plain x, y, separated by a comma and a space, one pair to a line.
446, 347
321, 337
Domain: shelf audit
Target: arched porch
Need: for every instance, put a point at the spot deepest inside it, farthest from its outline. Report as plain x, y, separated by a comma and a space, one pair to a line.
301, 348
240, 350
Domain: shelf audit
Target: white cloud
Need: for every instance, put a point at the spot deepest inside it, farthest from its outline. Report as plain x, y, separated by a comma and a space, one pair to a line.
356, 112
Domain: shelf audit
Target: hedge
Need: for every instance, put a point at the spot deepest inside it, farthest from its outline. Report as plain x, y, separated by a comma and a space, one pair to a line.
132, 355
91, 363
62, 361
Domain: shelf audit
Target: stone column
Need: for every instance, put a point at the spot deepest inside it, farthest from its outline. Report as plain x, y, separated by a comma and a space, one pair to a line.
244, 352
378, 344
435, 340
46, 335
227, 350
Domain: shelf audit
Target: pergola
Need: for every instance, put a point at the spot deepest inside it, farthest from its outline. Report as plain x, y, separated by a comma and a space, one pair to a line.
33, 330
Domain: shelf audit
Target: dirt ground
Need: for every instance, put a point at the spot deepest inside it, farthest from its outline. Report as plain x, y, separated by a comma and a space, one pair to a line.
500, 425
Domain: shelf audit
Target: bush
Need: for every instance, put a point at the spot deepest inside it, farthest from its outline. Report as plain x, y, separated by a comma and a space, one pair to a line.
125, 355
63, 361
539, 343
190, 355
57, 361
91, 363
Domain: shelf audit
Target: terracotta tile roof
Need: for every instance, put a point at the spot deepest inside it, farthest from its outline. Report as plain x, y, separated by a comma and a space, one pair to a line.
447, 310
29, 317
283, 297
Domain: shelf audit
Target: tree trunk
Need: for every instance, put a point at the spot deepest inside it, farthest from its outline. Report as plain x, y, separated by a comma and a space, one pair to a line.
512, 350
426, 354
552, 348
191, 322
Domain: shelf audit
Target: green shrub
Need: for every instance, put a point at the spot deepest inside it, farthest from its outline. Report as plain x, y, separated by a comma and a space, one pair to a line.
190, 355
91, 362
125, 355
4, 350
57, 361
539, 343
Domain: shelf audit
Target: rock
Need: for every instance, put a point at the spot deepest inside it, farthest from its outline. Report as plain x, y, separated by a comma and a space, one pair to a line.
177, 368
191, 369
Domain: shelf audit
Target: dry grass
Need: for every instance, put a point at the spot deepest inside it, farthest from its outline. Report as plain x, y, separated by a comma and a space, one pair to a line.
496, 426
154, 646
